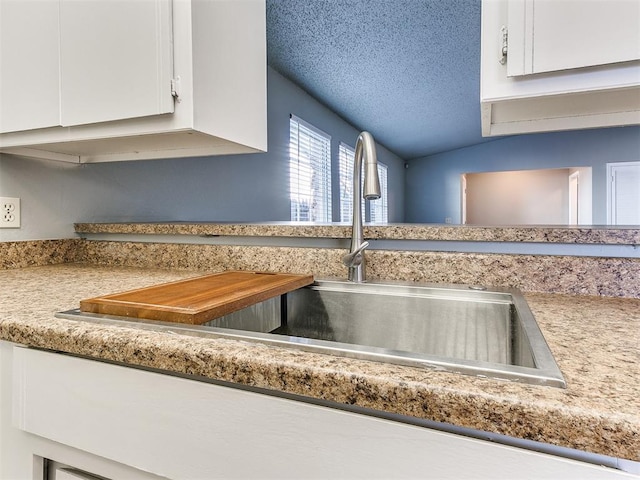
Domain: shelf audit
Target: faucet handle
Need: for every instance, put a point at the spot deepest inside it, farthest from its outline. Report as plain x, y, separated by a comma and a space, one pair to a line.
353, 259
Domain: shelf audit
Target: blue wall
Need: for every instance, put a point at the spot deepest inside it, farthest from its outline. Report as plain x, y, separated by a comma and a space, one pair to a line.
432, 188
237, 188
246, 188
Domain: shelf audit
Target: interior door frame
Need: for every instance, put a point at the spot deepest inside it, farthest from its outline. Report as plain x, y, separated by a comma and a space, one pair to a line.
574, 198
463, 199
610, 186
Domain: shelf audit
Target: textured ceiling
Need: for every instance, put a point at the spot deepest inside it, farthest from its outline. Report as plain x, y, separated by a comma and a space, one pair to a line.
408, 71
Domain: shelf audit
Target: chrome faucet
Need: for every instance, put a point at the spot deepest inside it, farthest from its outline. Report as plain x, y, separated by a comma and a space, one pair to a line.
365, 149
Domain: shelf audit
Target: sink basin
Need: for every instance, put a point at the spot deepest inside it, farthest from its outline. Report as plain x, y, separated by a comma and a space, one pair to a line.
465, 329
459, 328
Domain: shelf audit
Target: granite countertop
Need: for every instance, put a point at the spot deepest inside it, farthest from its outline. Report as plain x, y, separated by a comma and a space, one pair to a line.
615, 235
594, 340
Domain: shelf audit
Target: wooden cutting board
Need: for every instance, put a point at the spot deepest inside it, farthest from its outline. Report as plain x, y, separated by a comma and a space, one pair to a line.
197, 300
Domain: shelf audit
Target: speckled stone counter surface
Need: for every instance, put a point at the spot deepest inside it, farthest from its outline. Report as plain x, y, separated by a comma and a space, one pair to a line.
553, 234
594, 340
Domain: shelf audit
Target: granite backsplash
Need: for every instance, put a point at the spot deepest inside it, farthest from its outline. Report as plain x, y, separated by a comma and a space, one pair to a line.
601, 276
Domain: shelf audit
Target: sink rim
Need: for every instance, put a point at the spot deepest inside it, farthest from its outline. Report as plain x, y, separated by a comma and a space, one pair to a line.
546, 371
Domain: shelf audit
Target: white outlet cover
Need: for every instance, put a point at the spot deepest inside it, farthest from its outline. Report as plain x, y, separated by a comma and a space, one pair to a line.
9, 212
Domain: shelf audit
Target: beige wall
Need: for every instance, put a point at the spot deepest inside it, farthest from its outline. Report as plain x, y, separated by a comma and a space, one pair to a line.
519, 197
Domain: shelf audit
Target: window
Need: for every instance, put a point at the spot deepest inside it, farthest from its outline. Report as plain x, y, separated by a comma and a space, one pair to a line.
378, 209
346, 158
309, 172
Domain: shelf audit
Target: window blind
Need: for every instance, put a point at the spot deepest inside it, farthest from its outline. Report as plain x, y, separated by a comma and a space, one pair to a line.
309, 172
346, 156
378, 209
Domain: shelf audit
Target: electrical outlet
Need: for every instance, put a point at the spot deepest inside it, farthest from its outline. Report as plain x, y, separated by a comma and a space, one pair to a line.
10, 212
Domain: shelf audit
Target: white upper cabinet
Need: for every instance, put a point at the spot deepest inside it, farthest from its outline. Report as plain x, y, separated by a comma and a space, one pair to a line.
548, 36
29, 66
135, 40
49, 69
559, 65
109, 80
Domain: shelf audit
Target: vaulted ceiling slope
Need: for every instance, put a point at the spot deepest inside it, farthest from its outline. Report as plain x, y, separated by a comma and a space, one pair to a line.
408, 71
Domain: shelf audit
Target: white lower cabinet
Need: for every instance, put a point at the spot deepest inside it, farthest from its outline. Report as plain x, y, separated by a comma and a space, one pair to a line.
93, 418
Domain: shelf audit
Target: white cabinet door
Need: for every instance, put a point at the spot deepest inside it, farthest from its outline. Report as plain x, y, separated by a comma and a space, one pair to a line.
94, 80
29, 53
548, 36
115, 60
564, 36
74, 63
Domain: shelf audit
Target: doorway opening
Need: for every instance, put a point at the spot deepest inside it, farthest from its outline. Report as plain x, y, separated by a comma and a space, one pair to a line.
558, 196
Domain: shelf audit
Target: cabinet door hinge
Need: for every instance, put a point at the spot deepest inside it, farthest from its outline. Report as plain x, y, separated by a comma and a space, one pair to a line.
504, 45
175, 88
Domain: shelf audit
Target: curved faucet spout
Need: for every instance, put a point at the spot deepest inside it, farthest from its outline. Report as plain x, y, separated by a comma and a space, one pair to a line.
365, 153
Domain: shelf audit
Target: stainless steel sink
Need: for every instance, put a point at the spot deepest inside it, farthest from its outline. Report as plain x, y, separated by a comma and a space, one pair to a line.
465, 329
